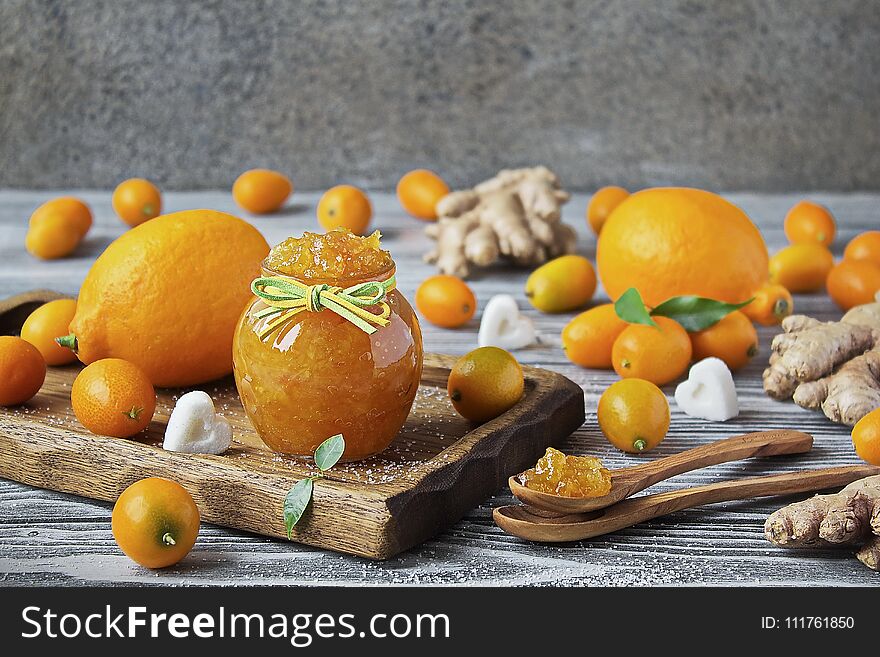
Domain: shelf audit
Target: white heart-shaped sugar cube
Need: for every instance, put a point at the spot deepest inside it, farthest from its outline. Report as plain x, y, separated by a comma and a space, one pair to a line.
503, 326
195, 428
709, 392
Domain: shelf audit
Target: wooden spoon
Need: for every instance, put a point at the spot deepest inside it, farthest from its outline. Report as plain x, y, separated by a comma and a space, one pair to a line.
549, 527
627, 481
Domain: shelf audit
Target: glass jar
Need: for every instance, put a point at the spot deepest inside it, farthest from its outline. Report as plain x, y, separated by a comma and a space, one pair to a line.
319, 374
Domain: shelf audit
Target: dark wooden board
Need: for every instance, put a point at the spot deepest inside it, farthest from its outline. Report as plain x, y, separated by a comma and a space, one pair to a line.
438, 467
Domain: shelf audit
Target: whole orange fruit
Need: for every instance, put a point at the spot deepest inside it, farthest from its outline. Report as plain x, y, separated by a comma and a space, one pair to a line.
634, 415
565, 283
50, 321
733, 339
22, 370
588, 338
112, 397
670, 241
52, 237
446, 301
260, 191
801, 267
866, 437
418, 192
602, 204
658, 354
865, 246
167, 296
810, 222
74, 211
772, 304
345, 206
484, 383
853, 282
155, 522
137, 200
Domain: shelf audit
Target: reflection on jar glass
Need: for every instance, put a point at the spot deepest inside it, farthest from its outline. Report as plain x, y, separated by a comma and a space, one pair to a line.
319, 374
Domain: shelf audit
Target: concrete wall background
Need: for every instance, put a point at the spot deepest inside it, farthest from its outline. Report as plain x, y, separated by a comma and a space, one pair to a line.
726, 94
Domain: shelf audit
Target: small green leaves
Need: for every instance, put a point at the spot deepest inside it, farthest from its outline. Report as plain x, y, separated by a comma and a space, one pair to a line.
326, 456
692, 312
630, 308
696, 313
296, 502
329, 452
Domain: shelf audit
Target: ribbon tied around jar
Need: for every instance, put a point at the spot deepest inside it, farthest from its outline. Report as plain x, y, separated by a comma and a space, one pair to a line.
286, 297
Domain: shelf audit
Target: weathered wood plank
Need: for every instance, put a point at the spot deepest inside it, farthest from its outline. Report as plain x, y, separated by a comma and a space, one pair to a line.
54, 538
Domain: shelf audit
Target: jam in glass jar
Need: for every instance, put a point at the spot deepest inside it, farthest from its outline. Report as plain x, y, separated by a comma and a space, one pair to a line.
306, 372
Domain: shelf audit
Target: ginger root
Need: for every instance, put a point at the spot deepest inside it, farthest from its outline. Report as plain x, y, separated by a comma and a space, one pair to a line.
869, 553
850, 517
516, 214
849, 394
834, 366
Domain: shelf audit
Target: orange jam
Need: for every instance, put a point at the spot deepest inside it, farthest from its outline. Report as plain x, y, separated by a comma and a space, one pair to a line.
338, 256
568, 476
318, 374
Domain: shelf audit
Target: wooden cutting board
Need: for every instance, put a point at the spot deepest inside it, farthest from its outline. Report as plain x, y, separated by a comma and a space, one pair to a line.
438, 467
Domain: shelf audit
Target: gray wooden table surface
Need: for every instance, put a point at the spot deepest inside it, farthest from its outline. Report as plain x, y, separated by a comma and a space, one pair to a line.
51, 538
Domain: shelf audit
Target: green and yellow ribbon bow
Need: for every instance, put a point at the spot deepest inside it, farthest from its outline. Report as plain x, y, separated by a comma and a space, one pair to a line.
286, 297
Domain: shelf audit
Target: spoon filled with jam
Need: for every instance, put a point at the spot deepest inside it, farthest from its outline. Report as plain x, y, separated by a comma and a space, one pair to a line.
578, 484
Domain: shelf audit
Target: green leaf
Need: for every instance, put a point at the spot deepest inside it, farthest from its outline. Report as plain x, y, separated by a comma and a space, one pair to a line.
329, 452
295, 503
326, 456
696, 313
630, 308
